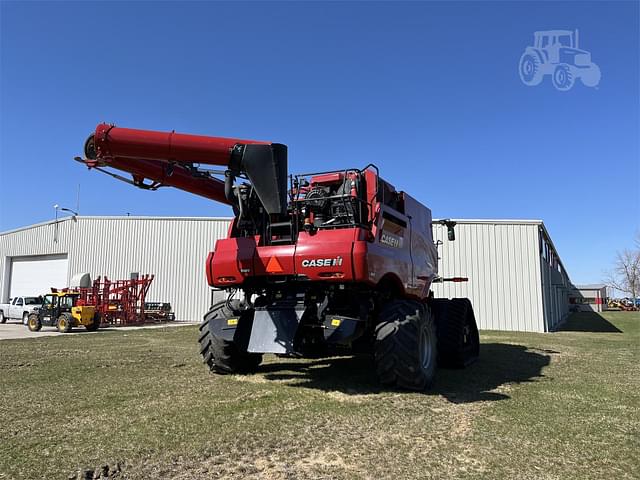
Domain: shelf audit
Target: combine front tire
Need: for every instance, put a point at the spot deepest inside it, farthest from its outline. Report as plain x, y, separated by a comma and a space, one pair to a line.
458, 339
228, 356
33, 323
406, 345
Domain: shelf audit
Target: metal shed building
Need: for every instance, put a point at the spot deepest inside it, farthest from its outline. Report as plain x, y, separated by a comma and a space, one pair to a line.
589, 298
516, 279
173, 249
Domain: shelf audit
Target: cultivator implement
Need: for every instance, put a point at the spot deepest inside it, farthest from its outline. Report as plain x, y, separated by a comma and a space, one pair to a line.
119, 302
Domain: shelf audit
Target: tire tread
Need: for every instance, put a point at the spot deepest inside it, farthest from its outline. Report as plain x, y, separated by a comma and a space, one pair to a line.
220, 355
396, 347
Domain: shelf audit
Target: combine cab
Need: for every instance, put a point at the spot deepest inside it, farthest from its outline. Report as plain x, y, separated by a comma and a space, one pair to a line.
314, 264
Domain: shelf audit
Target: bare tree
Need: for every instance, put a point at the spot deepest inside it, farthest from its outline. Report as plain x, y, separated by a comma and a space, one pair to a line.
625, 275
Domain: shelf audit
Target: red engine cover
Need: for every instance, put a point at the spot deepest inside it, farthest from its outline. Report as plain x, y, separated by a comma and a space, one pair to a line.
327, 255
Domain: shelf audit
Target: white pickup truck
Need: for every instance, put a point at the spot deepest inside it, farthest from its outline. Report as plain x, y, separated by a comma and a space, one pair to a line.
19, 308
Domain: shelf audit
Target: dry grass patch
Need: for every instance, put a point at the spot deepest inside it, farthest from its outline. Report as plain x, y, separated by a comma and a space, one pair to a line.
562, 405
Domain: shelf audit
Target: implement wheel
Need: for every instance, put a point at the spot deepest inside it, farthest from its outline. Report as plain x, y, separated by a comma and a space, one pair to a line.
33, 323
406, 346
64, 323
95, 324
225, 356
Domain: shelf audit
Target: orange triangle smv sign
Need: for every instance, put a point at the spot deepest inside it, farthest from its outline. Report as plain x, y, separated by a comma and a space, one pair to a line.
273, 266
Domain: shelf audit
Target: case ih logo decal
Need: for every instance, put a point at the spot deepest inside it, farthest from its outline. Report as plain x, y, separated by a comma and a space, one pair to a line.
322, 262
389, 240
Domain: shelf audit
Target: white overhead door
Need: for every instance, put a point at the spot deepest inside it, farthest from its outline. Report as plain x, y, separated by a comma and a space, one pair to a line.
36, 275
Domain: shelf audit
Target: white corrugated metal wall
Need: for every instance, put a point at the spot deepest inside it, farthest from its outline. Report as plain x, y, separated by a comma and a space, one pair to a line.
501, 260
173, 249
514, 282
556, 285
41, 239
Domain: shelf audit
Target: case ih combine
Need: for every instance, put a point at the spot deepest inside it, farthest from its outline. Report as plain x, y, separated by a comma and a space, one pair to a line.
323, 263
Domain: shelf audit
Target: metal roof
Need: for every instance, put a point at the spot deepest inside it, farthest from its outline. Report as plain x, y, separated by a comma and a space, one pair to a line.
115, 217
489, 221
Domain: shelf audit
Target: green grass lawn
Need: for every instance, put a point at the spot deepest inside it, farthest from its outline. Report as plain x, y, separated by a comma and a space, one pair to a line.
539, 406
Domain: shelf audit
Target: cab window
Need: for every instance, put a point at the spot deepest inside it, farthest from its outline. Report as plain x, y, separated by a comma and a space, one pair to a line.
66, 302
19, 302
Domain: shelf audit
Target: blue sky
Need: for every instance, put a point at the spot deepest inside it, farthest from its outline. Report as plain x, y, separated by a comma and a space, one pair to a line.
428, 91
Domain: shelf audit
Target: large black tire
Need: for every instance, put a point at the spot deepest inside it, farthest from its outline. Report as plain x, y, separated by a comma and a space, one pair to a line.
65, 323
95, 324
406, 345
458, 338
33, 322
3, 319
224, 356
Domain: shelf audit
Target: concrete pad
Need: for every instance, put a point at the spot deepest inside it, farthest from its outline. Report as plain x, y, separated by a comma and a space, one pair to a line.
13, 331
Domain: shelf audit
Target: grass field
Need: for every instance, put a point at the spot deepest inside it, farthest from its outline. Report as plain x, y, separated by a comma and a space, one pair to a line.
539, 406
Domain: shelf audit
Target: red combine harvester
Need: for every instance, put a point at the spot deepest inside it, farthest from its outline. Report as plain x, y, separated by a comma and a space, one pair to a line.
326, 262
119, 302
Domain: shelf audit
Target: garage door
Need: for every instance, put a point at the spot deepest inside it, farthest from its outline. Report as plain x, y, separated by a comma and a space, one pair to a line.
36, 275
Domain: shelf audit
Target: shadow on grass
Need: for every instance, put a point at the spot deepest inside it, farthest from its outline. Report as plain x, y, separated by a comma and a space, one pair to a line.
499, 364
588, 322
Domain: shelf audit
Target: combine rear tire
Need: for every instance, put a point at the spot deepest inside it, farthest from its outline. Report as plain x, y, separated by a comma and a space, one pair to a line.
64, 323
33, 323
224, 356
406, 345
458, 339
